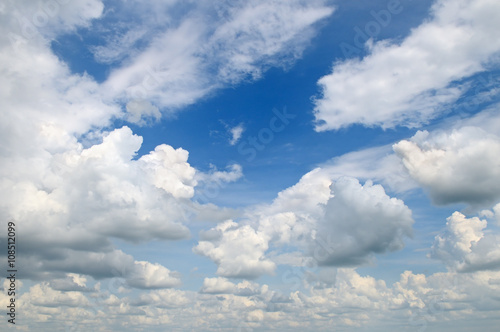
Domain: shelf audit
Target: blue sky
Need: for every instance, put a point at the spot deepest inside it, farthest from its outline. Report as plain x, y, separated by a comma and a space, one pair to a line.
252, 165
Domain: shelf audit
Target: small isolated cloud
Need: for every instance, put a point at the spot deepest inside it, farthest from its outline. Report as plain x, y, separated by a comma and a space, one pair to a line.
236, 133
214, 176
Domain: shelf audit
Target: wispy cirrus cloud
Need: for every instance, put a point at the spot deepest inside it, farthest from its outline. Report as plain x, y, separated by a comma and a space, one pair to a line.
233, 43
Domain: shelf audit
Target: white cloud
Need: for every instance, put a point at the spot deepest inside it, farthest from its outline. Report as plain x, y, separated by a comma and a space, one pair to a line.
221, 285
49, 18
147, 275
496, 209
72, 282
466, 246
252, 34
217, 286
378, 164
360, 221
353, 300
73, 185
461, 166
236, 133
335, 222
118, 46
410, 83
85, 196
142, 112
216, 177
237, 250
215, 46
74, 194
488, 120
168, 169
43, 295
164, 298
74, 188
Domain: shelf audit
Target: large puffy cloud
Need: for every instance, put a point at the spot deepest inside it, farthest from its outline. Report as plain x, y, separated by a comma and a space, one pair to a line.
410, 82
215, 44
101, 187
466, 246
78, 199
360, 221
457, 166
429, 158
71, 185
334, 222
237, 250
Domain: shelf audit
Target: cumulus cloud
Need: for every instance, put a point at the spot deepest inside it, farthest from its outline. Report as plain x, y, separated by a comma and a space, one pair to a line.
217, 286
148, 275
43, 295
336, 222
237, 250
169, 170
360, 221
163, 298
352, 301
83, 197
466, 246
75, 186
409, 83
72, 184
461, 166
